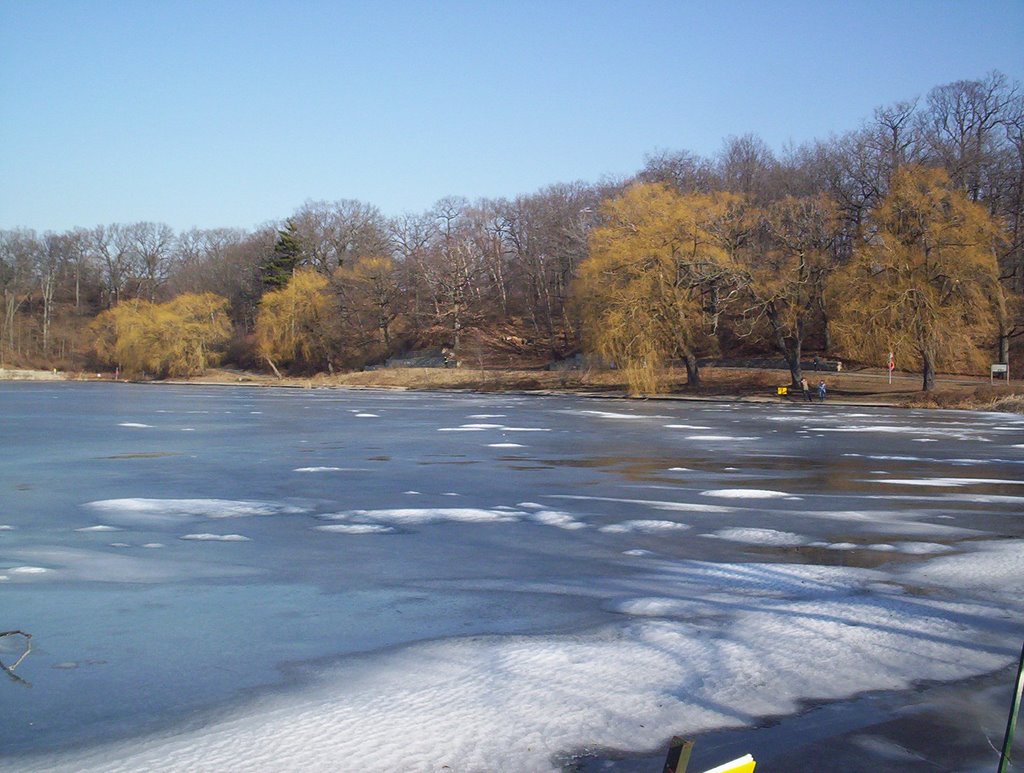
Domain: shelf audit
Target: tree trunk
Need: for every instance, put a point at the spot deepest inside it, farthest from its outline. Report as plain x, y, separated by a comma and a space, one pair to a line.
692, 371
790, 352
826, 331
928, 371
273, 367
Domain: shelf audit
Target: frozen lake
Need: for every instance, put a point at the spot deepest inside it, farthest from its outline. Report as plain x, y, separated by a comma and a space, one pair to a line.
270, 579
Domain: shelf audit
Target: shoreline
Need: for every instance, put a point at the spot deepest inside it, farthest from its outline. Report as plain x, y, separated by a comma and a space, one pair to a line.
720, 384
865, 388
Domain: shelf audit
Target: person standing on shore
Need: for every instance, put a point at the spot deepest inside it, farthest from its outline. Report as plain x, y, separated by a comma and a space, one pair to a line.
821, 391
806, 389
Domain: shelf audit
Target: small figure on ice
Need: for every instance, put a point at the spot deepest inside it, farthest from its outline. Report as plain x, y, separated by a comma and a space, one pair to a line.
821, 391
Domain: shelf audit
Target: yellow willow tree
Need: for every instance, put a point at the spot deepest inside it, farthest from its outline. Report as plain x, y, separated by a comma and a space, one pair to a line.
123, 337
924, 282
645, 292
178, 338
293, 323
195, 327
785, 275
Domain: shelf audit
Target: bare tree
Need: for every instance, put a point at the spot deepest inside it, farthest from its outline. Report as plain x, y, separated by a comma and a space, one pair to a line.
19, 251
151, 248
335, 233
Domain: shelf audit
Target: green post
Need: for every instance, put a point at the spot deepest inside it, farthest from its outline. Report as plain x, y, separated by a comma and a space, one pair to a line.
1004, 759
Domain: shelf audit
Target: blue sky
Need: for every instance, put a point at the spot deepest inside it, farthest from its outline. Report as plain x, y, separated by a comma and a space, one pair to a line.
233, 113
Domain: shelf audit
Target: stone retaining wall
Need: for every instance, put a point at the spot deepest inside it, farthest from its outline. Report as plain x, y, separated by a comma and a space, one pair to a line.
9, 374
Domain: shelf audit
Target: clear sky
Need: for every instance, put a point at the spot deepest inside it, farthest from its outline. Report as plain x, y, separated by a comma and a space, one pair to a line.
215, 113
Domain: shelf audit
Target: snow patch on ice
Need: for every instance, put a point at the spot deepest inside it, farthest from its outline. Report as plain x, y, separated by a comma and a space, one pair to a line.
355, 528
505, 445
758, 536
317, 469
100, 527
558, 519
744, 493
167, 511
135, 424
991, 566
949, 482
644, 526
206, 537
613, 415
423, 515
719, 437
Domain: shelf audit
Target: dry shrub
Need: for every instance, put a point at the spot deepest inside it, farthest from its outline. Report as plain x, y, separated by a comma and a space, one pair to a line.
980, 398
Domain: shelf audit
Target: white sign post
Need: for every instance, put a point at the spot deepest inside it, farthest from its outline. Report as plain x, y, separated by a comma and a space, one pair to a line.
1000, 368
891, 366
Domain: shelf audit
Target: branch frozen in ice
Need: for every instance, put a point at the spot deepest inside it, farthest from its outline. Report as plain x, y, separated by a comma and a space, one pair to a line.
9, 670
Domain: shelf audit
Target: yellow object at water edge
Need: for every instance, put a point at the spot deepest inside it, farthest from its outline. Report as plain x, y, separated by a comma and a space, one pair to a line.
744, 764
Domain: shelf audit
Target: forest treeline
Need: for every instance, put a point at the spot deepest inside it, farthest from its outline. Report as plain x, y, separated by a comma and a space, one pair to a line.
903, 236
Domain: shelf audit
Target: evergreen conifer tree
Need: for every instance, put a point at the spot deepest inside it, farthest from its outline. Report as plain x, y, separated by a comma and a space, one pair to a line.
278, 269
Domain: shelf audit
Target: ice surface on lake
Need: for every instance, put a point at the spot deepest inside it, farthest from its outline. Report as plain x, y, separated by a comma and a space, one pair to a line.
559, 607
516, 702
654, 504
150, 511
